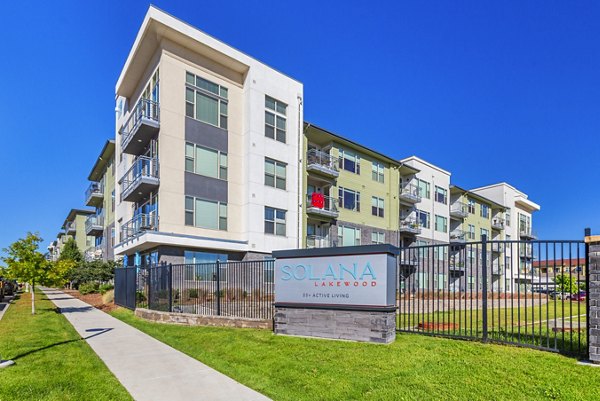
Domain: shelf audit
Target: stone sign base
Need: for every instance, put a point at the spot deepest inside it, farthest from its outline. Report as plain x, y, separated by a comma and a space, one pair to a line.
339, 324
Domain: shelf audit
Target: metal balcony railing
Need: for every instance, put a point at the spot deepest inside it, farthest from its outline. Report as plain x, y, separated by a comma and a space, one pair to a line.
145, 110
144, 170
409, 225
459, 209
94, 223
139, 224
317, 241
527, 233
324, 203
71, 227
498, 223
95, 190
94, 252
458, 236
410, 193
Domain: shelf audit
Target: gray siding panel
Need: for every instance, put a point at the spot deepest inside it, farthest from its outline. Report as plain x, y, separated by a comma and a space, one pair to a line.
205, 187
205, 134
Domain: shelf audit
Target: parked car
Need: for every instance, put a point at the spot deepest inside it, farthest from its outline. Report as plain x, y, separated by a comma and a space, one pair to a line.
580, 296
559, 295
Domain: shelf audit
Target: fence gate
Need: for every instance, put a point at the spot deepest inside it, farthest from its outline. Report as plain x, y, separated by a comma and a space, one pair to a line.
529, 293
125, 287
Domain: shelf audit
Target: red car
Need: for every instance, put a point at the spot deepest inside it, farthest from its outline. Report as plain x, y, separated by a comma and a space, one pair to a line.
580, 296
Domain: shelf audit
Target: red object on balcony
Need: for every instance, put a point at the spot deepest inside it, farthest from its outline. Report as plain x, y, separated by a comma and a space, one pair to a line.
317, 200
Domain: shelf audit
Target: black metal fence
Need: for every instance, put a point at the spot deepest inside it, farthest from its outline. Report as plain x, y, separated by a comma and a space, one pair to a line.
125, 287
529, 293
236, 289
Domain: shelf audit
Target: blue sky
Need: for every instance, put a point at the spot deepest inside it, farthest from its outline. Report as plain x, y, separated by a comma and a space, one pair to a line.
492, 91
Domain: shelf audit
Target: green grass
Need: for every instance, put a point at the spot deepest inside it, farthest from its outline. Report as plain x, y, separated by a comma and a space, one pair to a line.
414, 367
52, 361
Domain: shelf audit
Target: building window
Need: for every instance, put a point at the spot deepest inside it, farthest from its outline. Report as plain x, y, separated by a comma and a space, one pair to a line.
377, 171
275, 173
471, 206
440, 253
441, 195
205, 214
205, 161
424, 220
275, 221
508, 217
349, 199
269, 269
471, 233
202, 266
378, 237
377, 206
275, 119
349, 161
485, 232
205, 101
471, 283
348, 236
424, 189
441, 224
112, 200
485, 211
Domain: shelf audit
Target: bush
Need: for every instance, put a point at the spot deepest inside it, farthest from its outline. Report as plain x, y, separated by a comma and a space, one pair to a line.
140, 297
192, 293
88, 288
108, 297
104, 288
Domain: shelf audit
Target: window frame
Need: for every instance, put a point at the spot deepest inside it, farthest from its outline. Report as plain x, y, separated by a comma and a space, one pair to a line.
221, 97
427, 189
341, 198
277, 116
342, 165
444, 220
380, 237
377, 206
378, 172
443, 193
221, 170
276, 221
192, 213
428, 220
275, 175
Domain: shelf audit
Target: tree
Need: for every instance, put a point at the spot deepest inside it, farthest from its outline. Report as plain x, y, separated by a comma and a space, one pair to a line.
93, 271
27, 264
70, 251
565, 283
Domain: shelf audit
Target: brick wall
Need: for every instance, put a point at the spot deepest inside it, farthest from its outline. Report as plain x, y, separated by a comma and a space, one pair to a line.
594, 303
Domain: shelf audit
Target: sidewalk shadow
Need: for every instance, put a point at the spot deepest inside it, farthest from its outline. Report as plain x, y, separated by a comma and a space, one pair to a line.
97, 332
74, 309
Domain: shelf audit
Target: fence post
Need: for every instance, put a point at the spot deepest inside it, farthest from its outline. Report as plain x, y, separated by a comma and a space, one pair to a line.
485, 287
591, 342
170, 284
218, 288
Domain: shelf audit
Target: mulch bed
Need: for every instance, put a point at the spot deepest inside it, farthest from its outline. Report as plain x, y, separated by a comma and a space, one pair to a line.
93, 299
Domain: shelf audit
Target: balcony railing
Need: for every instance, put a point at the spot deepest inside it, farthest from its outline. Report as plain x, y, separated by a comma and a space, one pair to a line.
317, 241
410, 193
458, 236
95, 252
409, 226
498, 223
71, 227
94, 225
321, 205
526, 252
141, 178
94, 194
497, 268
527, 233
143, 123
322, 162
459, 210
138, 224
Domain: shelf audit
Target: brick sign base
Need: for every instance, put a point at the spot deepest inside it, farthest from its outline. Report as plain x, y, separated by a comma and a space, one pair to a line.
353, 325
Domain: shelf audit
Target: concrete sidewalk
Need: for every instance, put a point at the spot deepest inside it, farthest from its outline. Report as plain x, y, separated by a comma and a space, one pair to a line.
147, 368
4, 304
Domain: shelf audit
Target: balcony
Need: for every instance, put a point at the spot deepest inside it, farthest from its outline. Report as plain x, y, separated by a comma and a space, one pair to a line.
139, 224
410, 194
321, 206
456, 267
94, 253
322, 163
458, 237
459, 210
498, 223
140, 179
71, 228
141, 126
497, 269
94, 195
527, 233
317, 241
409, 226
94, 225
526, 252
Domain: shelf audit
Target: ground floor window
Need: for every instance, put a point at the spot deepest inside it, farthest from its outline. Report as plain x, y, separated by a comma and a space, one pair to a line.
348, 236
201, 266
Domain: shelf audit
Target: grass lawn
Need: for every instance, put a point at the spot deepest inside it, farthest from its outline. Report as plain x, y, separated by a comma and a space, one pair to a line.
52, 361
414, 367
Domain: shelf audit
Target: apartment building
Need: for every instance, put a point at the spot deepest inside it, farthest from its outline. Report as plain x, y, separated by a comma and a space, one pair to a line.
518, 225
207, 148
74, 227
100, 195
350, 192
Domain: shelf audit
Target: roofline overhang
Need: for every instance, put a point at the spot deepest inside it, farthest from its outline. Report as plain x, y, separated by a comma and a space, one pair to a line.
105, 154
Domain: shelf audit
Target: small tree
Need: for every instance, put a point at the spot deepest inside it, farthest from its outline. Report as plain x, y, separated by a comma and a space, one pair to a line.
26, 264
70, 251
565, 283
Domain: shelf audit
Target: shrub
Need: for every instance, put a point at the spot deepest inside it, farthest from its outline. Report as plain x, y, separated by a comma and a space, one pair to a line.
140, 297
192, 293
88, 288
108, 297
104, 288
